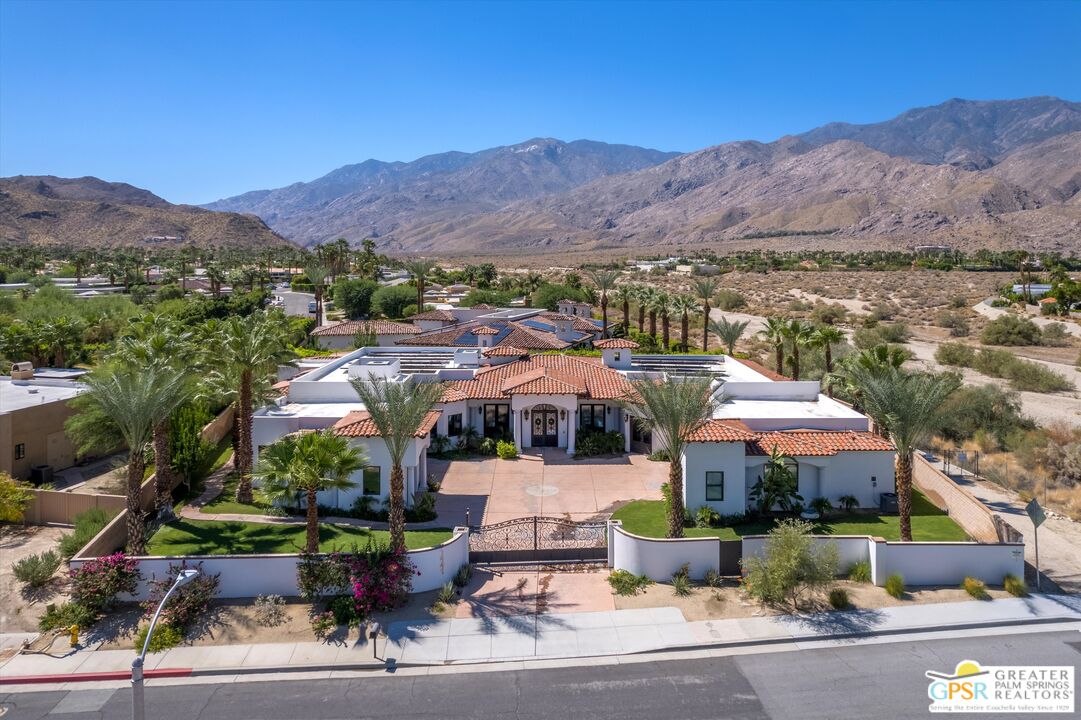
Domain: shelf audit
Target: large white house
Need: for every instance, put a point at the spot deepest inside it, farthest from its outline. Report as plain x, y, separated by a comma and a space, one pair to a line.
549, 400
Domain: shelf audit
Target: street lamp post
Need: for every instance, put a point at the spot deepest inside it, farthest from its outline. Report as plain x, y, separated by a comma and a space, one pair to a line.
138, 710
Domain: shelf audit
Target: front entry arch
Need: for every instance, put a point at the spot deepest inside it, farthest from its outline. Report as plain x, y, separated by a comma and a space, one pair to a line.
544, 426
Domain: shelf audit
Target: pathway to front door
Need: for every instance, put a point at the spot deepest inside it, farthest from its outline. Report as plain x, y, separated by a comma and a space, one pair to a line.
543, 482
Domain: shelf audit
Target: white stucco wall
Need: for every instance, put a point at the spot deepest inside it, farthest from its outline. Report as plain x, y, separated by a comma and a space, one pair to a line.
850, 548
345, 342
658, 558
245, 576
934, 563
850, 473
726, 457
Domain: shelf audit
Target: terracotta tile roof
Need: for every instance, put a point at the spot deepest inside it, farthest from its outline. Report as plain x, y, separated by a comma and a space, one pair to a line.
615, 344
358, 424
379, 327
485, 330
505, 351
817, 442
758, 368
451, 394
722, 431
444, 315
515, 334
581, 324
583, 376
484, 306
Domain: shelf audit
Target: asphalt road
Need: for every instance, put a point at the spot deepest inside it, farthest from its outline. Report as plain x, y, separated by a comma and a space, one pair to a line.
296, 303
860, 681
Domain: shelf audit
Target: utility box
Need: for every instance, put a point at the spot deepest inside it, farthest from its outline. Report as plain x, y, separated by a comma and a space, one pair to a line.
887, 503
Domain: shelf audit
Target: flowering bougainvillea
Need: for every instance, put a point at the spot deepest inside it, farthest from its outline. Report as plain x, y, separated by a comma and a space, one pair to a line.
98, 582
359, 582
187, 603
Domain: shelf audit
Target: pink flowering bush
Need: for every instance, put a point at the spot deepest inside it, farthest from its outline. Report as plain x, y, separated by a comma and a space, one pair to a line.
357, 583
97, 583
187, 603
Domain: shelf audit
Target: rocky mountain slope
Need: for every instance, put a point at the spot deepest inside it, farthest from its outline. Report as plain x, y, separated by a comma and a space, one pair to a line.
373, 198
88, 212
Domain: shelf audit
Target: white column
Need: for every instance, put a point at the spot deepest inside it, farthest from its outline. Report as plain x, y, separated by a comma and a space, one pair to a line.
626, 431
572, 424
516, 426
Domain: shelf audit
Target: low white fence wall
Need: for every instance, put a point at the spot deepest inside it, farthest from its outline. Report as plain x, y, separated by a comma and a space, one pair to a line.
658, 558
245, 576
920, 563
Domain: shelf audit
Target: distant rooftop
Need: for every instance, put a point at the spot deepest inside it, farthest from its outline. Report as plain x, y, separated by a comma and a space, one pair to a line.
22, 394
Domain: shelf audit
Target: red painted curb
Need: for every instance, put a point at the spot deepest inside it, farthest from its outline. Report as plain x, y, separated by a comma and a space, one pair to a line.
92, 676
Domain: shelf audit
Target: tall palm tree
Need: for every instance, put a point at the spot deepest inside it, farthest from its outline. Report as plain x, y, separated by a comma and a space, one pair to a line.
641, 295
907, 406
878, 360
705, 288
316, 271
774, 332
682, 306
799, 334
397, 410
664, 311
624, 294
419, 268
250, 347
308, 463
135, 399
673, 410
605, 280
728, 332
656, 301
825, 337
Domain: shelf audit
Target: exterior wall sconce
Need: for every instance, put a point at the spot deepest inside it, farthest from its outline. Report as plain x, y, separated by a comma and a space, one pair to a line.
525, 414
608, 410
874, 481
562, 414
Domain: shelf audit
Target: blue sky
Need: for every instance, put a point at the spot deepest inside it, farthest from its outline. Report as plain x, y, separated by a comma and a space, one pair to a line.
197, 101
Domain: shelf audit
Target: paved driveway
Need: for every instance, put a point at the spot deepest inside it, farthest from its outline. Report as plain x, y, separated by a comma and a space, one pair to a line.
544, 482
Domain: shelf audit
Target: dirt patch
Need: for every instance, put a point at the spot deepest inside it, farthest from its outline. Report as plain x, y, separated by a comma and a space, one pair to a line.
728, 601
20, 606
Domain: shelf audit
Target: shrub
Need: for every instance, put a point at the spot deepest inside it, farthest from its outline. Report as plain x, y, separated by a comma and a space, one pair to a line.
1015, 586
506, 450
727, 299
713, 578
87, 525
355, 296
66, 615
895, 585
627, 583
848, 503
447, 594
393, 300
97, 583
165, 637
975, 588
792, 565
323, 623
487, 446
187, 603
464, 575
270, 610
1033, 377
1055, 335
345, 611
423, 509
593, 442
36, 570
1011, 330
822, 506
860, 571
681, 585
706, 517
15, 496
662, 455
190, 451
955, 354
957, 324
838, 598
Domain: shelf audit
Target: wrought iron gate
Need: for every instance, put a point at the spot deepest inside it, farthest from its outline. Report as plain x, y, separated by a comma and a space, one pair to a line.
537, 539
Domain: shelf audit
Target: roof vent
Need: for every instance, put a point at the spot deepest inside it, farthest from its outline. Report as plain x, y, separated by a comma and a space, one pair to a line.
22, 371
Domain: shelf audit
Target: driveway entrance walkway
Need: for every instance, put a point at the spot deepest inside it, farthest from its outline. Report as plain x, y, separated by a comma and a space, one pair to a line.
543, 482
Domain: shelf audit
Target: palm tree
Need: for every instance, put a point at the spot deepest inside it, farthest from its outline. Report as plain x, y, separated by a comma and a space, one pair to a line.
907, 407
135, 399
656, 302
683, 305
308, 463
774, 332
624, 294
673, 410
316, 271
641, 296
397, 410
799, 334
825, 337
247, 348
878, 360
705, 288
605, 280
728, 332
419, 269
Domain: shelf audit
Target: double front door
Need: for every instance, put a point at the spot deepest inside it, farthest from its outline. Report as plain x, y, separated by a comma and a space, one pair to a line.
545, 419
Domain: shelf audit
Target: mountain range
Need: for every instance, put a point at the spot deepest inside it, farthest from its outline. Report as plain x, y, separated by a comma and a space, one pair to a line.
997, 174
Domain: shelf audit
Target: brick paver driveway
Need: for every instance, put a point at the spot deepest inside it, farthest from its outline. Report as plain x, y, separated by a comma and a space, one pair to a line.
543, 482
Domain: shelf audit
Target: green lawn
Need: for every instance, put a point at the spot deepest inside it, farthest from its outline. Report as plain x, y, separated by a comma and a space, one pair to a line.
646, 518
213, 537
227, 503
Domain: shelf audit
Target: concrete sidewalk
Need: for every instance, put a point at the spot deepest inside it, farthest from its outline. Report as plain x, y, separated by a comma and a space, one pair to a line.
550, 636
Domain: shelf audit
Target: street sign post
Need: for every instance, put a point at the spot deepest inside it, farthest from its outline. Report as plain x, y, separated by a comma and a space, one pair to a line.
1037, 516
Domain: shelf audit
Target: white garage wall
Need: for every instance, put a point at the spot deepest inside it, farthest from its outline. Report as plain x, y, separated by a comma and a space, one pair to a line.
245, 576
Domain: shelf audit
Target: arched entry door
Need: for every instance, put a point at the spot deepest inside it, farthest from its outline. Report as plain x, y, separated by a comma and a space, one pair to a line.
545, 419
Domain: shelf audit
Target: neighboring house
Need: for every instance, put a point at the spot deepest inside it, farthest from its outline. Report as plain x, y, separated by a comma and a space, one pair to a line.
483, 326
33, 410
573, 307
342, 336
549, 400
